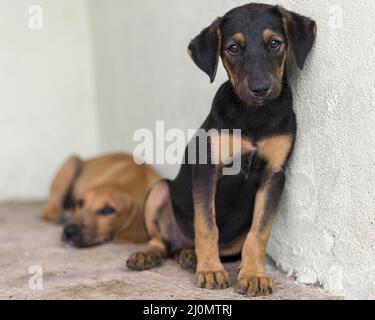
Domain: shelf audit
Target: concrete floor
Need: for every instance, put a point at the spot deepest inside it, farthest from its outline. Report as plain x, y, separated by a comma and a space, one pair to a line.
100, 273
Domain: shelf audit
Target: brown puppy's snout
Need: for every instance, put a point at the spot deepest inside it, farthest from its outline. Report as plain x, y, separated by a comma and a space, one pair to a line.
72, 235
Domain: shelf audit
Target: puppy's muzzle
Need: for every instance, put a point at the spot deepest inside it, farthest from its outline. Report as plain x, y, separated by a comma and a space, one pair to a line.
72, 235
260, 90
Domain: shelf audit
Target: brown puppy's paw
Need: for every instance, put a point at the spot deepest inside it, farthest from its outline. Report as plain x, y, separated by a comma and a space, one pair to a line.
187, 259
52, 215
212, 280
255, 285
141, 261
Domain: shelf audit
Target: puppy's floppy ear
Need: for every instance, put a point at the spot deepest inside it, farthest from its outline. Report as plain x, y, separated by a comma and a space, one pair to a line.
301, 33
129, 224
205, 49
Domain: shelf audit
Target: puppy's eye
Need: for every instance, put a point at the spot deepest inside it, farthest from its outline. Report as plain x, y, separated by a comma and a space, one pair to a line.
234, 49
80, 203
108, 210
275, 44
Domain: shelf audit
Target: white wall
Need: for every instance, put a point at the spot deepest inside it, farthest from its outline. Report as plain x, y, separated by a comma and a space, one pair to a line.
324, 232
48, 98
144, 71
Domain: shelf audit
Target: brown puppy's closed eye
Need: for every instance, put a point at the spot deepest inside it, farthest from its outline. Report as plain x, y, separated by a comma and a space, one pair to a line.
105, 198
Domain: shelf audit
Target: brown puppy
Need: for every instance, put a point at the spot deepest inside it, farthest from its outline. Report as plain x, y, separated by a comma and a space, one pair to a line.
105, 198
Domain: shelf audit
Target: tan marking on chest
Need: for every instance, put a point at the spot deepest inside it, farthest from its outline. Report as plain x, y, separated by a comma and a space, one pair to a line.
225, 147
275, 151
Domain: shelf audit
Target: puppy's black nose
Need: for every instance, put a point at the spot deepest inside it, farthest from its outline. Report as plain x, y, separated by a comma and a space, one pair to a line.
260, 90
71, 231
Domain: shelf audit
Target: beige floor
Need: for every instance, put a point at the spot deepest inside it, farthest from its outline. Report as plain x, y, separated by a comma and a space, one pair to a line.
99, 273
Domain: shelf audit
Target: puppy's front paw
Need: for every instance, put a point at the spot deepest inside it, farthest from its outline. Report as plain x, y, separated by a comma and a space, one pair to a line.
212, 280
141, 261
52, 214
254, 285
187, 259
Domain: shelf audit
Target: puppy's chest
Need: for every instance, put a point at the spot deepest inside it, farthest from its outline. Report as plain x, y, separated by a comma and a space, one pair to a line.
272, 152
251, 162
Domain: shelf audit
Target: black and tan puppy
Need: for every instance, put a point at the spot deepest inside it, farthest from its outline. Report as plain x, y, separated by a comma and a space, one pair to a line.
219, 216
105, 198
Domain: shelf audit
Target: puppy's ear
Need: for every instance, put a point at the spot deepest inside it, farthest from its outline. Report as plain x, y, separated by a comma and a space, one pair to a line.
301, 33
205, 49
129, 224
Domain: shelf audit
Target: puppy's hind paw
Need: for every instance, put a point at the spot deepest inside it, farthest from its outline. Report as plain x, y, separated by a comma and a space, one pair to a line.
141, 261
52, 215
187, 259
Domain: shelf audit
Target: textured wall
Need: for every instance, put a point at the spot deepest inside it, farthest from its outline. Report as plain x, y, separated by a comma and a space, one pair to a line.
47, 99
324, 232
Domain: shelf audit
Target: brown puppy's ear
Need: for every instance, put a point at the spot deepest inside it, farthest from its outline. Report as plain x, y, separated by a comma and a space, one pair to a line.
129, 223
301, 33
205, 49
